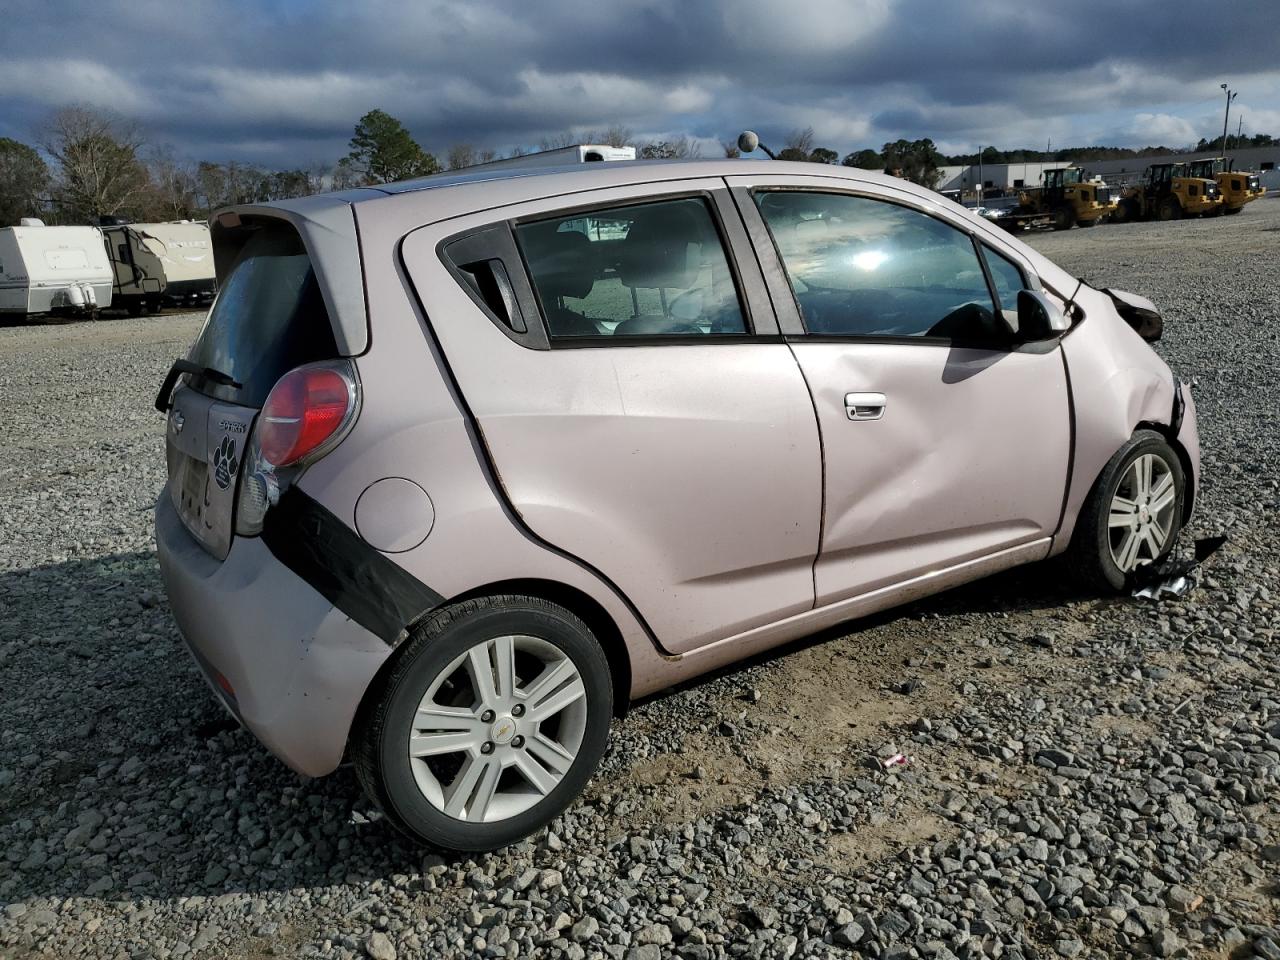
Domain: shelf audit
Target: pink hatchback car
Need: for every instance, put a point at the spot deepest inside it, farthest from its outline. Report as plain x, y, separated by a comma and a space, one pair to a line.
459, 466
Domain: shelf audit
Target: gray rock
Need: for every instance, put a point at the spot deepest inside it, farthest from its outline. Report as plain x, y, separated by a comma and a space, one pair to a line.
1165, 942
655, 933
849, 935
765, 917
379, 946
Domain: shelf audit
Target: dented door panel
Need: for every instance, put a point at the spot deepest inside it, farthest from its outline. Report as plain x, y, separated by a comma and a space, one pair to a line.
970, 456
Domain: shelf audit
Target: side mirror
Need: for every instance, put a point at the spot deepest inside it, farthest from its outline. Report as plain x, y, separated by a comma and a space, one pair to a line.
1039, 318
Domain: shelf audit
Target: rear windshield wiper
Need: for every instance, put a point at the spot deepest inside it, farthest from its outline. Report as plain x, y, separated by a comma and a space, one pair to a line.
164, 398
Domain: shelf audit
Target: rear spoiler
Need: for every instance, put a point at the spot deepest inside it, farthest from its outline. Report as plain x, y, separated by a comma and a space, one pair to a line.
1139, 313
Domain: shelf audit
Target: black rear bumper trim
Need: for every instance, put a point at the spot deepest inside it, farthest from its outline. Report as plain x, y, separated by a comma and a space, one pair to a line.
371, 589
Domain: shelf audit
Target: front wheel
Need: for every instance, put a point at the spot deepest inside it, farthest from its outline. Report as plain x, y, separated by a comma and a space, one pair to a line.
1133, 514
489, 724
1170, 209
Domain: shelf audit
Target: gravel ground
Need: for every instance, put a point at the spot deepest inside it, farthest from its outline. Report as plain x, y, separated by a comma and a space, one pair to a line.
1089, 777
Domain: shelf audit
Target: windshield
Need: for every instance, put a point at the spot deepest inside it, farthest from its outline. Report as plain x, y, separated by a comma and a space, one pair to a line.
269, 318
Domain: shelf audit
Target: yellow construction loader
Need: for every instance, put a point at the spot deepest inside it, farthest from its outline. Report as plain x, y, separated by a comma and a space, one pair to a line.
1070, 197
1166, 192
1237, 187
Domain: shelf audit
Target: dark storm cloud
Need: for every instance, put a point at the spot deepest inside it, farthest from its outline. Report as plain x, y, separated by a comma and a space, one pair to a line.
284, 81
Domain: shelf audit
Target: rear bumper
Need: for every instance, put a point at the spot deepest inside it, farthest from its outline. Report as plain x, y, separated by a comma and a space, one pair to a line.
291, 667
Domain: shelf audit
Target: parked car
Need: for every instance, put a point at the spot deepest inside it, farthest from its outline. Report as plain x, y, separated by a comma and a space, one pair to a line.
459, 467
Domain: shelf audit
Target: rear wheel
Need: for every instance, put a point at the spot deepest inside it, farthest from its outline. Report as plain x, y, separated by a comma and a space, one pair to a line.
489, 725
1133, 514
1063, 218
1170, 209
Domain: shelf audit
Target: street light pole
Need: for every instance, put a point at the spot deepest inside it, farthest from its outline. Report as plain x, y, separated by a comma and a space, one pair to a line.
1231, 95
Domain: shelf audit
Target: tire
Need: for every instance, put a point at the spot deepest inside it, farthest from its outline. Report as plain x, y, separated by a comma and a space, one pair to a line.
1064, 218
1231, 211
414, 793
134, 307
1170, 209
1085, 224
1092, 553
1126, 211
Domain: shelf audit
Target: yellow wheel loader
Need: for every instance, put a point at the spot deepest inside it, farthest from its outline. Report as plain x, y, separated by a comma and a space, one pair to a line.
1238, 187
1167, 193
1070, 197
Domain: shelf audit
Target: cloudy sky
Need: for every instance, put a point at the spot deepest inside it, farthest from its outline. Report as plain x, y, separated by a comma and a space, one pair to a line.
281, 82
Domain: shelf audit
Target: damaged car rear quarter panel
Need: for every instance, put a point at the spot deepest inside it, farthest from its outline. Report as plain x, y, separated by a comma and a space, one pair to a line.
422, 434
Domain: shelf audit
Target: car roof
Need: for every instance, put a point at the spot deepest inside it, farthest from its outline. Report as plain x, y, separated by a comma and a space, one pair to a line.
633, 171
531, 183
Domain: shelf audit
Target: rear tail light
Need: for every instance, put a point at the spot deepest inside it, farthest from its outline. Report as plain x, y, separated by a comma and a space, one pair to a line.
306, 413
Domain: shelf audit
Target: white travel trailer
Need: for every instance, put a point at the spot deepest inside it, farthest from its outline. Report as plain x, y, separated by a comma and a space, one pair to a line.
53, 270
159, 262
562, 157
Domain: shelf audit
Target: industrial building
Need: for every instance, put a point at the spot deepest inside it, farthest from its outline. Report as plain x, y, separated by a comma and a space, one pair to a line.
1006, 177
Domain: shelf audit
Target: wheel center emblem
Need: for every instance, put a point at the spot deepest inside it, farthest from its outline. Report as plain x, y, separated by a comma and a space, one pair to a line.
503, 730
1144, 515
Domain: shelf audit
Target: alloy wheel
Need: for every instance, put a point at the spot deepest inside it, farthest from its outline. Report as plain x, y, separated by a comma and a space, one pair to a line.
1141, 517
498, 728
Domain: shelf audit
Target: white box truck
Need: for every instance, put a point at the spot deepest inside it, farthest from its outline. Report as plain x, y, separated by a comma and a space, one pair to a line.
160, 262
61, 270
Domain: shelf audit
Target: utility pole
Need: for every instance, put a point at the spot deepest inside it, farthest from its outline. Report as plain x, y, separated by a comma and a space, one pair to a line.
1231, 95
979, 174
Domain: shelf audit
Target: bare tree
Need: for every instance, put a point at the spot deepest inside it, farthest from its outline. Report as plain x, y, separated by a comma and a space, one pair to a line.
488, 155
346, 174
615, 136
223, 184
98, 167
731, 149
173, 186
798, 146
460, 155
681, 148
557, 141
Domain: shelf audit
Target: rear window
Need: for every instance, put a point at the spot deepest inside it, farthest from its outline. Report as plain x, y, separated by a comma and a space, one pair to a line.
269, 318
648, 269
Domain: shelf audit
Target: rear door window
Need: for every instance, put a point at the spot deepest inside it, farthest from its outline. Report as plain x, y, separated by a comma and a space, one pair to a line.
650, 269
269, 317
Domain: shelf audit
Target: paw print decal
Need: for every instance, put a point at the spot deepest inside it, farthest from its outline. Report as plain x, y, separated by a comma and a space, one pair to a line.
225, 462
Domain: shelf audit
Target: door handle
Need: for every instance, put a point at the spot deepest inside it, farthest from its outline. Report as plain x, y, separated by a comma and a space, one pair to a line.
864, 406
